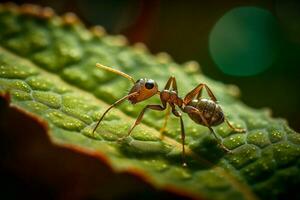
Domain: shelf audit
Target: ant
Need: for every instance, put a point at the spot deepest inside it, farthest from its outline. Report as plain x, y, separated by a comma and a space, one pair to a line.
203, 111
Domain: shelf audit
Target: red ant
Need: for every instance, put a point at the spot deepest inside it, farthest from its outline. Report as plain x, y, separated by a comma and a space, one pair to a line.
203, 111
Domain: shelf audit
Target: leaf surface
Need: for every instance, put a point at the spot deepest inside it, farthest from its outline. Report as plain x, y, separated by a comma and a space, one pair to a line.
47, 65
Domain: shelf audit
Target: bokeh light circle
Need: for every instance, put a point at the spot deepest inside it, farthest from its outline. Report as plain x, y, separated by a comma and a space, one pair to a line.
245, 41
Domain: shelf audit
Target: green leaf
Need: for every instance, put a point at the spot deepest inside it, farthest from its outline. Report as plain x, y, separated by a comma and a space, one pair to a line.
47, 65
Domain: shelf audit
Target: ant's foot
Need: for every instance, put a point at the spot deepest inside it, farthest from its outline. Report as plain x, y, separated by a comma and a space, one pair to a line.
94, 134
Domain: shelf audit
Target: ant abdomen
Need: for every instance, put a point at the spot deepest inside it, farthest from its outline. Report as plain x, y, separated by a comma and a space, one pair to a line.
209, 110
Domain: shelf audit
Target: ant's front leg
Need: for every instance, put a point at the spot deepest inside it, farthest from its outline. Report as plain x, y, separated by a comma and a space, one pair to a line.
140, 117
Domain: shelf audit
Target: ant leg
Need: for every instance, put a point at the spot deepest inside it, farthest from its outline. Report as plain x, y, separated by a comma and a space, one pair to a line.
190, 96
214, 133
169, 83
239, 130
210, 93
218, 140
174, 86
178, 114
198, 91
163, 128
199, 94
111, 106
140, 117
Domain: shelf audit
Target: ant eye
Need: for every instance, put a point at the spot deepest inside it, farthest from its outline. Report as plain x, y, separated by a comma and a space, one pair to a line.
149, 84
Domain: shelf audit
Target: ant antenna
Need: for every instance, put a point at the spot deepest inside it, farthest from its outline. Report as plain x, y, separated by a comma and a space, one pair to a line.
115, 71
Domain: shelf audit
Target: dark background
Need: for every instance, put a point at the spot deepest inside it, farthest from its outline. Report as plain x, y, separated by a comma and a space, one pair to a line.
183, 29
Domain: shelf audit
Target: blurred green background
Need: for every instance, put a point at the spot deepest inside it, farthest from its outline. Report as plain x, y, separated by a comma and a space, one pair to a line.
253, 44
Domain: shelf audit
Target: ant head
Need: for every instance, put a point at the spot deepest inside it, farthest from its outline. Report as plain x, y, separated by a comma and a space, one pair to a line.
145, 89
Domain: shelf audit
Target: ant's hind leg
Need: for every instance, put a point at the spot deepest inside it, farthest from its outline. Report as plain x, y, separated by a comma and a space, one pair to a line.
163, 128
140, 117
239, 130
218, 140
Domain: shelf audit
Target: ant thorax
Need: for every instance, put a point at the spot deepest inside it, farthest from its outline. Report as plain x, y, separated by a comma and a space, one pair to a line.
171, 97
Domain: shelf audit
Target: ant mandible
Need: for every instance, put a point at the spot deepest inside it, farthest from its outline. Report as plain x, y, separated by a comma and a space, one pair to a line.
203, 111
